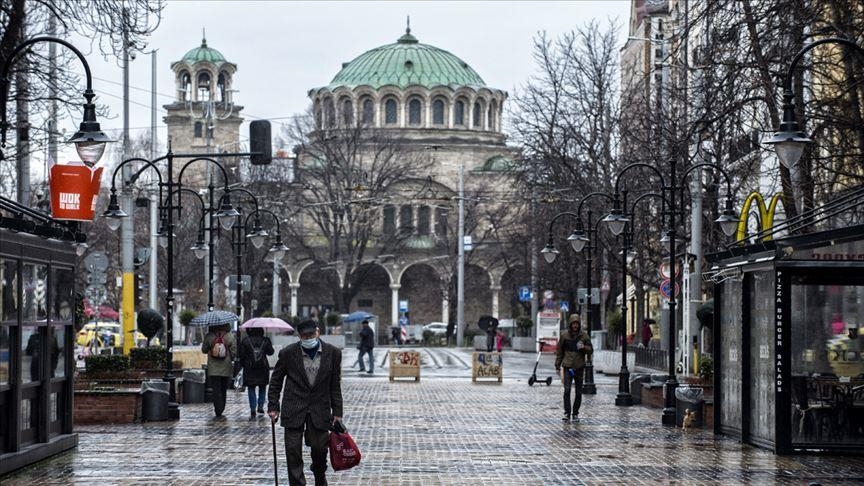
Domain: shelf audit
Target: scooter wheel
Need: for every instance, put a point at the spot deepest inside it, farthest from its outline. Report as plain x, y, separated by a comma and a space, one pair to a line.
531, 381
548, 381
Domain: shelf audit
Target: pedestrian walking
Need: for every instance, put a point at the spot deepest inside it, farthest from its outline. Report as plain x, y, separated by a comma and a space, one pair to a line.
367, 343
308, 376
396, 335
254, 349
647, 334
573, 347
220, 345
499, 340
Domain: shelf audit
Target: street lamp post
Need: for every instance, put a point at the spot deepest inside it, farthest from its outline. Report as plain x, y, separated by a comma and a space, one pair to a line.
617, 222
167, 207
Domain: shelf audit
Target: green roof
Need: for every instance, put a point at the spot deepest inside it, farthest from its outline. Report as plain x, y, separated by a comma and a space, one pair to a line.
406, 63
204, 54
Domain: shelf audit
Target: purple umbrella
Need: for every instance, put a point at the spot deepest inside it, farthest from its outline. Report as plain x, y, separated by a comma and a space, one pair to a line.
267, 323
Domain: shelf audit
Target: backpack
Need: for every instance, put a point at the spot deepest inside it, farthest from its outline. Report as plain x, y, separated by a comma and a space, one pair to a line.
218, 350
259, 359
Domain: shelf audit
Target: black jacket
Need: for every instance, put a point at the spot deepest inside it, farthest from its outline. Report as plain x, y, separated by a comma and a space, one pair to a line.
255, 373
367, 338
321, 400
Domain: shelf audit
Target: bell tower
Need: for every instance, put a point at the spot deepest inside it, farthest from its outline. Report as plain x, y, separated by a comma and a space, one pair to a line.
203, 117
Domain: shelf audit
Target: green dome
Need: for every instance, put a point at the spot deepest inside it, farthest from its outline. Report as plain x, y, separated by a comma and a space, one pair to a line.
406, 63
203, 54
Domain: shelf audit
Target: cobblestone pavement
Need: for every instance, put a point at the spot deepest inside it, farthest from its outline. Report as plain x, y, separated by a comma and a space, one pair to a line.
444, 430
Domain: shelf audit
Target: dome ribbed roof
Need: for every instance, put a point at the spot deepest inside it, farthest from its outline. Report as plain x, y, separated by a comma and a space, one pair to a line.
406, 63
203, 54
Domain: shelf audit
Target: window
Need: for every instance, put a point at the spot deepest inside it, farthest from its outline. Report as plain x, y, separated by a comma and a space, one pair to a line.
415, 110
365, 303
491, 119
204, 87
459, 113
390, 112
329, 113
438, 112
222, 88
441, 222
389, 221
198, 129
185, 86
477, 115
406, 220
368, 112
424, 220
347, 112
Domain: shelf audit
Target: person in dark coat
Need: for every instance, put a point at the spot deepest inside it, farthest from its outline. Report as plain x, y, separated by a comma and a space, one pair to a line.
254, 349
367, 343
220, 369
574, 347
308, 375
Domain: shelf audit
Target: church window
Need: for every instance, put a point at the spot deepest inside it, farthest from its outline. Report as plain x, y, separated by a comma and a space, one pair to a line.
198, 129
222, 87
186, 86
347, 112
390, 112
203, 87
459, 113
415, 112
438, 112
389, 220
490, 123
477, 114
441, 222
368, 112
329, 113
406, 220
424, 214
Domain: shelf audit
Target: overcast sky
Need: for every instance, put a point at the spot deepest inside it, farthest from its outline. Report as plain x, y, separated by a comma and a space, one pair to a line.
282, 49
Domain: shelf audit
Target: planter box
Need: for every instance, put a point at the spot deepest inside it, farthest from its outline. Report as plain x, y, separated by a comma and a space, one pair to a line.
120, 406
525, 344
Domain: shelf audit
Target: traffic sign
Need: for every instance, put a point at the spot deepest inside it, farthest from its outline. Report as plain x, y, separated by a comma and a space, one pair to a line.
524, 293
665, 289
565, 306
245, 282
96, 262
403, 306
665, 270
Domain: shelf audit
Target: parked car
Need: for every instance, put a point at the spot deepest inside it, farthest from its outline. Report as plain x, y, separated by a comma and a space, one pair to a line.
106, 334
436, 328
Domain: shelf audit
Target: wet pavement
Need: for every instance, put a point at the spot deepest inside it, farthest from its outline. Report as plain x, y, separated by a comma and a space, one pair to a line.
443, 430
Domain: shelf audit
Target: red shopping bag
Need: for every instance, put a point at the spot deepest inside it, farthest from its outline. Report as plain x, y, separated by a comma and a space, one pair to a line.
344, 453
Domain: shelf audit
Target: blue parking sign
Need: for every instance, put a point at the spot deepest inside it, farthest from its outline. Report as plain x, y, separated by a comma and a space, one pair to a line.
565, 306
524, 293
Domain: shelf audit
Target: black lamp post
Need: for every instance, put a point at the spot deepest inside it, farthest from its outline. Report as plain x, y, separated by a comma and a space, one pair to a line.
167, 207
617, 222
578, 240
89, 142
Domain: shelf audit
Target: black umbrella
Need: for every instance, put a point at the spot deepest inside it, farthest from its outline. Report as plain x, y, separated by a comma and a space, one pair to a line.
213, 318
486, 322
705, 314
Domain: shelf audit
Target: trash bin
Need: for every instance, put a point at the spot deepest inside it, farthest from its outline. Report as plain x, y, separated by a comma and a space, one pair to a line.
689, 398
193, 386
154, 403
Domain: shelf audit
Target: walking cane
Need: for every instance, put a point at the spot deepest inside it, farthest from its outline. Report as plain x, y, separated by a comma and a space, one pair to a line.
275, 463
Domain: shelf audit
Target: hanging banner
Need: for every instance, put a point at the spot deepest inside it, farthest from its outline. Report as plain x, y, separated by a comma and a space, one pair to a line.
74, 191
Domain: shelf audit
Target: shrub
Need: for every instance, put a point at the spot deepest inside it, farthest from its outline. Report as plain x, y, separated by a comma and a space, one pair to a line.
524, 325
106, 364
706, 367
186, 316
333, 319
147, 358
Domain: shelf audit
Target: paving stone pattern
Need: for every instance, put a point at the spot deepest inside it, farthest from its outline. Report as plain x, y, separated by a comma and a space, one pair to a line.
441, 431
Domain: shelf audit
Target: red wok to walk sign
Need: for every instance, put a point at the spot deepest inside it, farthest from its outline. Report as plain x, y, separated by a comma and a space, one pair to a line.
74, 191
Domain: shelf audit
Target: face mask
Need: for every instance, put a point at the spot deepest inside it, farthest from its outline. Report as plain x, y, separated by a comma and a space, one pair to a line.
309, 343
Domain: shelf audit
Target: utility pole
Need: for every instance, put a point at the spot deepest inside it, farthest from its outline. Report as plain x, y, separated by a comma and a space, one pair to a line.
154, 201
52, 93
460, 284
128, 224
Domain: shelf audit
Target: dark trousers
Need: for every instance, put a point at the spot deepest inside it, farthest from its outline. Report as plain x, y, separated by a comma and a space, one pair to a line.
573, 379
220, 393
371, 359
318, 441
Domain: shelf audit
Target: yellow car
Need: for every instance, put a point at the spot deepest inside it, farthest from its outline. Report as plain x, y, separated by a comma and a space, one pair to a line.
107, 334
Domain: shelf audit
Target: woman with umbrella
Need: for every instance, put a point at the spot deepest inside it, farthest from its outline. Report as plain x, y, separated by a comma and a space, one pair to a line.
254, 349
220, 345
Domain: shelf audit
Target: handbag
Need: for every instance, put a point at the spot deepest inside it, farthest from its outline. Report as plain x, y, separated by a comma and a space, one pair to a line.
344, 453
238, 380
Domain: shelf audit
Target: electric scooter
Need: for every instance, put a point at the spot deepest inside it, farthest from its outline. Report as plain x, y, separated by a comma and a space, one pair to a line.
533, 379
